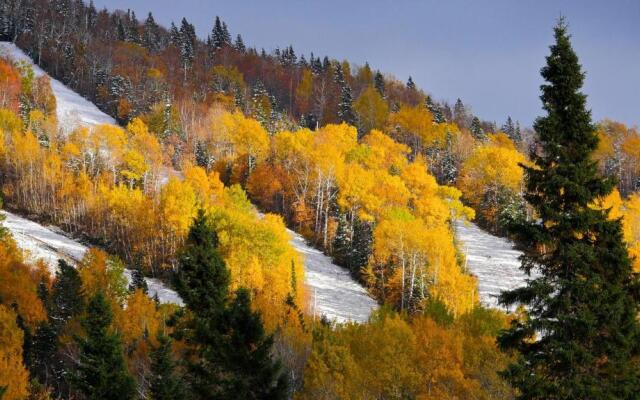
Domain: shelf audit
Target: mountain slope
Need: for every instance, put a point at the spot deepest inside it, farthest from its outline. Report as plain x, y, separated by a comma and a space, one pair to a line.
42, 243
72, 109
338, 296
492, 259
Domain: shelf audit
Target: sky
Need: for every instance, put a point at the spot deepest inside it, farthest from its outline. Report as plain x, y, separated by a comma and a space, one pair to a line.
486, 52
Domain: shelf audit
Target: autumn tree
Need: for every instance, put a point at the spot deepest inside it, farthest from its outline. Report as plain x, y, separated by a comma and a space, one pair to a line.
586, 289
14, 377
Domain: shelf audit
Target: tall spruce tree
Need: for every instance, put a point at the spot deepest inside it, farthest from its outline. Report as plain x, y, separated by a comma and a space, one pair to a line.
102, 373
581, 334
345, 106
231, 353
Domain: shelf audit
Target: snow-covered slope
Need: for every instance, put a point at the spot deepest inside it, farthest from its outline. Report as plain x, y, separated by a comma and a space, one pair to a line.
72, 109
337, 295
40, 242
334, 293
492, 259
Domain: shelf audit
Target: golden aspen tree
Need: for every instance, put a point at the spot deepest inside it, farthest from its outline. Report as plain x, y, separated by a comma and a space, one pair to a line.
14, 377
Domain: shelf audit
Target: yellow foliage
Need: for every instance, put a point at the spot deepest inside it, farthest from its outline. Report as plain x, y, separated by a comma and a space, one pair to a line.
14, 377
489, 168
372, 110
19, 284
178, 206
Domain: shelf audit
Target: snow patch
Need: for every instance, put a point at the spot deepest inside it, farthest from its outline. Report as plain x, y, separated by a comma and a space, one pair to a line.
43, 243
72, 110
334, 293
492, 259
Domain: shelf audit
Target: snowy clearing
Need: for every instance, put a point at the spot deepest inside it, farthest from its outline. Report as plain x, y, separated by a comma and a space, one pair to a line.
334, 293
492, 259
72, 109
40, 242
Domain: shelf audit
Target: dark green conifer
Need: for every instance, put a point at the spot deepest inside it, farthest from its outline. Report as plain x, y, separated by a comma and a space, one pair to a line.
102, 373
580, 337
165, 384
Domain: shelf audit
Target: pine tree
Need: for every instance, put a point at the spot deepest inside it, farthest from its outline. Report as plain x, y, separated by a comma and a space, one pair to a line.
165, 384
460, 115
435, 111
341, 245
138, 281
517, 135
239, 44
476, 129
410, 84
150, 38
345, 106
226, 36
187, 45
174, 35
378, 82
41, 360
66, 294
509, 128
448, 167
581, 335
220, 36
101, 373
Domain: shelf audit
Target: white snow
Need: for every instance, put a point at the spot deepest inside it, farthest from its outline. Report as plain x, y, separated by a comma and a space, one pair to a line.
43, 243
72, 109
492, 259
334, 293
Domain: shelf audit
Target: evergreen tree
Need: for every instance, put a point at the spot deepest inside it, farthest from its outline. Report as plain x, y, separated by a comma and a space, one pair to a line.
345, 106
517, 135
435, 111
239, 44
165, 384
460, 115
254, 375
476, 129
174, 35
509, 128
326, 64
220, 36
448, 167
226, 36
410, 84
101, 373
41, 360
187, 45
66, 294
232, 354
352, 244
150, 38
580, 337
378, 82
341, 245
138, 281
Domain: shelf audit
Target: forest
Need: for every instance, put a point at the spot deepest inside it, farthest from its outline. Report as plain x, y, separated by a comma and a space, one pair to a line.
220, 147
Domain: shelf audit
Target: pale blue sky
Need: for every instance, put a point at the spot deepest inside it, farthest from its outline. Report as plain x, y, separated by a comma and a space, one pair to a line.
488, 53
